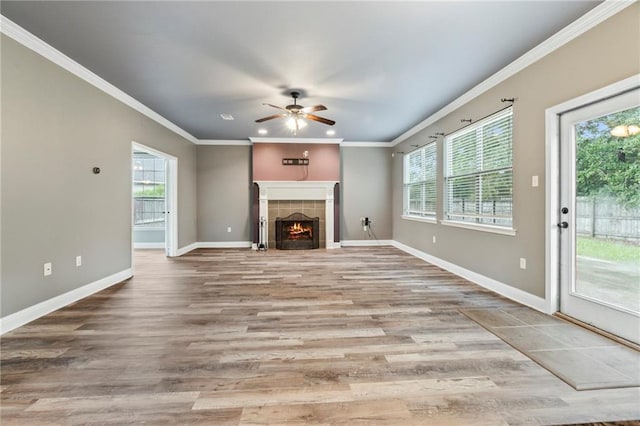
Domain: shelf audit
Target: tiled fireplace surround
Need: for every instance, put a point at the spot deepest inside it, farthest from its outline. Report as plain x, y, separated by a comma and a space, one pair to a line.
283, 208
314, 199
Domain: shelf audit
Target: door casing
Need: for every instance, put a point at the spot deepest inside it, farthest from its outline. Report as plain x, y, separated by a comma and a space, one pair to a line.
552, 181
171, 201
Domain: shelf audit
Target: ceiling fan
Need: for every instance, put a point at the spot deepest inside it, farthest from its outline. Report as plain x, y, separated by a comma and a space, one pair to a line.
296, 113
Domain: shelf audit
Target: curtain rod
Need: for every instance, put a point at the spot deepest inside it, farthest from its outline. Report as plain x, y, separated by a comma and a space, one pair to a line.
512, 100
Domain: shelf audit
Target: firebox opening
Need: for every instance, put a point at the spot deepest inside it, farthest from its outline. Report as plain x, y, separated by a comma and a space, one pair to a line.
297, 232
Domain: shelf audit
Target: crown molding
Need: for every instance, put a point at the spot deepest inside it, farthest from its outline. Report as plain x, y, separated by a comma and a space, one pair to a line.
220, 142
295, 140
24, 37
250, 141
363, 144
589, 20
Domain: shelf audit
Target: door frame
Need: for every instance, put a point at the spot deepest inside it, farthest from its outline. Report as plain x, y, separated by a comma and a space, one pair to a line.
171, 202
552, 181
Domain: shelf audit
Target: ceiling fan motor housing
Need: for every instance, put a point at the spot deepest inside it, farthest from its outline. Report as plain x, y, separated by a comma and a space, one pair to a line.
298, 111
294, 107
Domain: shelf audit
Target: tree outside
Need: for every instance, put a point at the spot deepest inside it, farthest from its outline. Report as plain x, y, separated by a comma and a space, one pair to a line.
608, 179
608, 165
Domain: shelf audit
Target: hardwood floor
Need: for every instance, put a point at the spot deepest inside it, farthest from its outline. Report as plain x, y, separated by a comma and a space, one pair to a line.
348, 336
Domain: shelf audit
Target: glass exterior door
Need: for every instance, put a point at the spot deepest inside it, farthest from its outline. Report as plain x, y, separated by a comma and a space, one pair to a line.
599, 221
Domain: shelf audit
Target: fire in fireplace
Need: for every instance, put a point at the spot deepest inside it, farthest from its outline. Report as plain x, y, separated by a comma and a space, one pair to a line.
297, 232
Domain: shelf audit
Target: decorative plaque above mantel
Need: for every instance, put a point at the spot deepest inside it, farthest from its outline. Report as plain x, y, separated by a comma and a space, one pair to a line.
295, 161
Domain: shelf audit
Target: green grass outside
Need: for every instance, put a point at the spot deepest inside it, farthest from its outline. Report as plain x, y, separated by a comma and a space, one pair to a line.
608, 250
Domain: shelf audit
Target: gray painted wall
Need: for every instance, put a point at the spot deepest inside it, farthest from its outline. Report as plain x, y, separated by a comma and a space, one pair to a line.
55, 129
608, 53
148, 235
224, 190
366, 192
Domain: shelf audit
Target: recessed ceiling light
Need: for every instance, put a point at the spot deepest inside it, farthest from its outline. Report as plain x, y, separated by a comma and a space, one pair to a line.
226, 116
331, 132
262, 131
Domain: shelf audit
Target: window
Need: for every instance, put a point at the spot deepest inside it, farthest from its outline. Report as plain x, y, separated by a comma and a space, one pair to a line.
148, 191
420, 182
478, 172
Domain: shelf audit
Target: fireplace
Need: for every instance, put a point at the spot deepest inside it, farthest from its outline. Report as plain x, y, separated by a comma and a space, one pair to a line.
313, 198
297, 232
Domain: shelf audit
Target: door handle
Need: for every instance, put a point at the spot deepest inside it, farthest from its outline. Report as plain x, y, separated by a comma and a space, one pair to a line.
563, 225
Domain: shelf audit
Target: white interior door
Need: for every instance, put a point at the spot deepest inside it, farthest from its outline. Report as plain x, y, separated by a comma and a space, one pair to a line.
171, 200
170, 197
599, 216
167, 209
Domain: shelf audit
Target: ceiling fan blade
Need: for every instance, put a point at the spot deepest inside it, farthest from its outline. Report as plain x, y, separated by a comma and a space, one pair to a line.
320, 119
271, 117
314, 108
276, 106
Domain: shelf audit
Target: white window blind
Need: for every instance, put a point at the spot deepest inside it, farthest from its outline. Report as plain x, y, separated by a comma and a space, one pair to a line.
478, 172
420, 182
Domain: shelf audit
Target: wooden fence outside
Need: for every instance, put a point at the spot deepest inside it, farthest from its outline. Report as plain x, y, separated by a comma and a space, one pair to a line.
148, 211
606, 218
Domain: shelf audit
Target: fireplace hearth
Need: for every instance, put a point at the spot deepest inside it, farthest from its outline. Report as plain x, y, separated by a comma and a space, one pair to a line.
297, 232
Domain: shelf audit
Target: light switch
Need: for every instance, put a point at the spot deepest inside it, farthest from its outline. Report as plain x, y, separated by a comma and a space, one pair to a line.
48, 269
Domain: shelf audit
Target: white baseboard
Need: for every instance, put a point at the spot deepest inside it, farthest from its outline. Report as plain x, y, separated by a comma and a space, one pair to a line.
366, 243
20, 318
329, 246
186, 249
505, 290
142, 246
225, 244
214, 244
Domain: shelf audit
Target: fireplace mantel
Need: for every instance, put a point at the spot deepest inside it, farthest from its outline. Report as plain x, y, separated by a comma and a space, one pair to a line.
301, 190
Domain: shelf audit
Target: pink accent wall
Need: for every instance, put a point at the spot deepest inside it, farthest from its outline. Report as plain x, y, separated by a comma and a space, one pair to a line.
324, 162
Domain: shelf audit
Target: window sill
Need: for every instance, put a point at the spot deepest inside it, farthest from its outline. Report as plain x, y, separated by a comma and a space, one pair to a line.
478, 227
420, 219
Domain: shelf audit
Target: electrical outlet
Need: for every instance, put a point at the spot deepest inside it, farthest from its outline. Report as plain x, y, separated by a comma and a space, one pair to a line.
228, 229
78, 260
434, 239
48, 269
523, 263
534, 181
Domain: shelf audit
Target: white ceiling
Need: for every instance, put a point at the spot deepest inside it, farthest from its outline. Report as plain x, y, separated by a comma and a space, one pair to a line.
379, 67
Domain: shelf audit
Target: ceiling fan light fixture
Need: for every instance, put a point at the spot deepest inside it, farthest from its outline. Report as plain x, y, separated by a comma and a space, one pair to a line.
331, 132
262, 131
297, 115
295, 123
